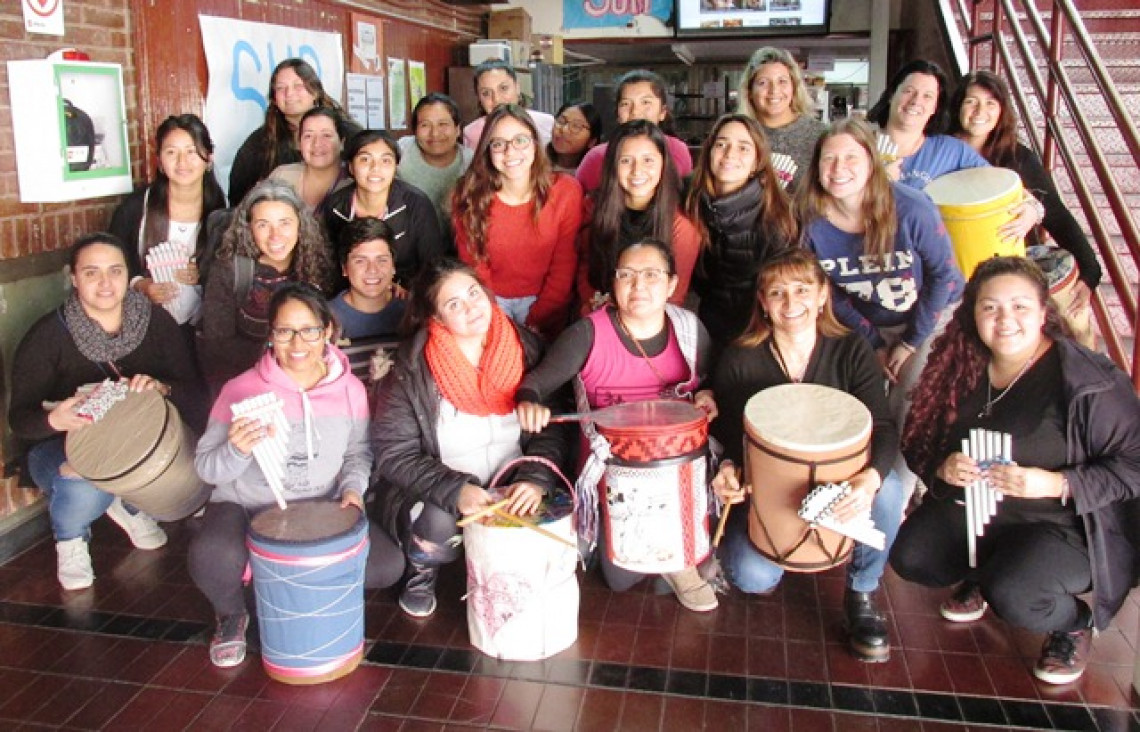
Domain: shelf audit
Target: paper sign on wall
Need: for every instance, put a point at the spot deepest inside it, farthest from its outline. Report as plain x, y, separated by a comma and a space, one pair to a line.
43, 16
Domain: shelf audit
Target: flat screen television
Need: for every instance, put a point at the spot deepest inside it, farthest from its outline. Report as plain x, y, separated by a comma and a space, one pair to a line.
752, 17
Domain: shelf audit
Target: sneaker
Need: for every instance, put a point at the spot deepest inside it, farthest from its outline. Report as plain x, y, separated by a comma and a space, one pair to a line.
418, 597
692, 591
144, 532
227, 647
73, 564
1064, 656
966, 604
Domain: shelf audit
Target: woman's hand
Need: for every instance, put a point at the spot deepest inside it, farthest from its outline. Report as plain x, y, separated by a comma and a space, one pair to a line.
526, 499
959, 469
1026, 215
399, 292
703, 399
187, 275
473, 499
142, 382
245, 433
894, 169
532, 417
63, 417
1014, 480
1081, 294
352, 498
864, 485
159, 293
726, 485
896, 360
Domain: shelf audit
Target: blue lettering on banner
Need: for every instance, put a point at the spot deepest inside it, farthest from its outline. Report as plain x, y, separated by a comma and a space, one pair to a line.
250, 90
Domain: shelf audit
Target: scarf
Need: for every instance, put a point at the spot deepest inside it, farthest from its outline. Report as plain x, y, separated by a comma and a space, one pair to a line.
486, 389
97, 344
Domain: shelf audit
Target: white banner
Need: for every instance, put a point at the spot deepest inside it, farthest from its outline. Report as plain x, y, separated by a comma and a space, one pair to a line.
240, 57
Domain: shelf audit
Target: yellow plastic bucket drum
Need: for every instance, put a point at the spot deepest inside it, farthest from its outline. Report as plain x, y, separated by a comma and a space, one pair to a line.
975, 203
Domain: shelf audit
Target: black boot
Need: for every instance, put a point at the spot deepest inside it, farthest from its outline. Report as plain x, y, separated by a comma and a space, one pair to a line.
867, 634
418, 597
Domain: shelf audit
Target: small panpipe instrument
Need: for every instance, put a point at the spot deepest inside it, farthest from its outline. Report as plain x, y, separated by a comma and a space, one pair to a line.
785, 168
986, 448
166, 258
888, 149
817, 510
271, 452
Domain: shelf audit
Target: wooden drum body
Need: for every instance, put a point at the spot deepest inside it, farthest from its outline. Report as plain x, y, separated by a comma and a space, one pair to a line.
798, 436
656, 504
975, 203
308, 575
141, 451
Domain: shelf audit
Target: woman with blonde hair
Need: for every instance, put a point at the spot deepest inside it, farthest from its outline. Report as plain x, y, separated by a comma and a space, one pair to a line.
772, 92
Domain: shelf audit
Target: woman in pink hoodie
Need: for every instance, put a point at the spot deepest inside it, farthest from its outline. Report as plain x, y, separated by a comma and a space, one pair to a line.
329, 457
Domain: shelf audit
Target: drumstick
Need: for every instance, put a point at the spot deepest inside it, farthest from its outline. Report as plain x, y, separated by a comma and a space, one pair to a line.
482, 513
526, 523
723, 519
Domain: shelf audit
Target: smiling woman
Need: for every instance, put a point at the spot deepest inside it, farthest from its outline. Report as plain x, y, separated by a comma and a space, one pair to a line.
320, 174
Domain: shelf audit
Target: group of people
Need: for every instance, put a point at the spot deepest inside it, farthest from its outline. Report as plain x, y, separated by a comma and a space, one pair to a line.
526, 267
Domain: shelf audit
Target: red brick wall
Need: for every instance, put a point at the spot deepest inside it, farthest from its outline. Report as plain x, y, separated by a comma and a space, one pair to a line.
102, 28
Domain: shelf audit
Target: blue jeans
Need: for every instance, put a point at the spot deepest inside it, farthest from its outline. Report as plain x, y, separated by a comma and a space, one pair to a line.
74, 503
751, 571
517, 308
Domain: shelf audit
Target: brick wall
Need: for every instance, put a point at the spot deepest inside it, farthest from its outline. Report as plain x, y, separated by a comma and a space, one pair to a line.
101, 28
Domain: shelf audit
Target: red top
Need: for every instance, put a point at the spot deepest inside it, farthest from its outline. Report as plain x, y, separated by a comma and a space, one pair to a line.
523, 259
590, 169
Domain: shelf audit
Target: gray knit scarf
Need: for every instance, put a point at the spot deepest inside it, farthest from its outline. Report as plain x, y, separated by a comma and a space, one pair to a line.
97, 344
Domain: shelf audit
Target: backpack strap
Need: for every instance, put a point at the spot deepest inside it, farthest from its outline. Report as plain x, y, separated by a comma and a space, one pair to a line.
243, 277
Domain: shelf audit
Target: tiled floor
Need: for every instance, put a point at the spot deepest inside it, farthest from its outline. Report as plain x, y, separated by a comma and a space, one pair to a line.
130, 654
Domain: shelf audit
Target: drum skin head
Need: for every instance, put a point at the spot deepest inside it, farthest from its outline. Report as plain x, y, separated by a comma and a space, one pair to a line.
973, 186
807, 416
305, 521
652, 414
126, 436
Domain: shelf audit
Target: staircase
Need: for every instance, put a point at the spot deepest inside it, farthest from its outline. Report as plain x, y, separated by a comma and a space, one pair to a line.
1021, 53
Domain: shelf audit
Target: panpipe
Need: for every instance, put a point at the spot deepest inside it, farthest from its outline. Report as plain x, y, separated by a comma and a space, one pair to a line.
271, 452
785, 168
817, 510
888, 149
163, 260
986, 448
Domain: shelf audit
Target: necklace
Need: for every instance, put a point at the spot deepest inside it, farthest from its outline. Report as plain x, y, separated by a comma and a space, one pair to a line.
991, 400
784, 364
644, 355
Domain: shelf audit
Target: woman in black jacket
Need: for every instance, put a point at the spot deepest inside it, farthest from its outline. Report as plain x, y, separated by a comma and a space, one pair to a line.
445, 423
744, 217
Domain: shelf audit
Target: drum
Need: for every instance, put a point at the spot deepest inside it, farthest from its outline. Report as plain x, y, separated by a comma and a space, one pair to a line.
141, 451
522, 592
975, 203
656, 489
308, 575
798, 436
1062, 273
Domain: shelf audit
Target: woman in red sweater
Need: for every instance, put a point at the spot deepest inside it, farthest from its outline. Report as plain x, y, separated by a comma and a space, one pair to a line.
515, 222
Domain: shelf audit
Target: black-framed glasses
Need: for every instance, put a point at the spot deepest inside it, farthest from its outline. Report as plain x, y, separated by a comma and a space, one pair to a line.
309, 334
518, 142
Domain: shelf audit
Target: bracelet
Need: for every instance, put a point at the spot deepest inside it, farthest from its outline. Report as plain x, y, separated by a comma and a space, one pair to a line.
1065, 491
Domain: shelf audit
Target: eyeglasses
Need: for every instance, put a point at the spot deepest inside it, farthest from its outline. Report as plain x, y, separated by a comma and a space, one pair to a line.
518, 142
309, 334
650, 276
573, 125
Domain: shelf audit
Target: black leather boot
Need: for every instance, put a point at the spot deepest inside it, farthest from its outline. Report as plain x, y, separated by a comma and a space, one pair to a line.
867, 634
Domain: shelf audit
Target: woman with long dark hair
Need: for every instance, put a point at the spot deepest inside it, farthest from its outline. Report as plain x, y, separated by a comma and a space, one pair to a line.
173, 208
1066, 524
577, 128
515, 222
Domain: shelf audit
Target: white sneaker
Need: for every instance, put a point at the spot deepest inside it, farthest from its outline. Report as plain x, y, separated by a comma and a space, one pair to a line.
144, 532
73, 565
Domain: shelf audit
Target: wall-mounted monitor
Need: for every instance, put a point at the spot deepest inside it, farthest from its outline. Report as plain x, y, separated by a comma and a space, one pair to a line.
752, 17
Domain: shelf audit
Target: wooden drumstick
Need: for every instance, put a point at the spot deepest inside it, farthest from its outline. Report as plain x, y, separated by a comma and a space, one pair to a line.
720, 525
482, 513
526, 523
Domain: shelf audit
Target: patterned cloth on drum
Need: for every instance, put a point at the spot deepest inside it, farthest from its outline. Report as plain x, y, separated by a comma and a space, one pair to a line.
798, 436
308, 574
975, 203
1060, 268
656, 487
522, 590
141, 451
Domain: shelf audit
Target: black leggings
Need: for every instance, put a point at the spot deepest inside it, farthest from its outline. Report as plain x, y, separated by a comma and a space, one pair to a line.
218, 557
1029, 572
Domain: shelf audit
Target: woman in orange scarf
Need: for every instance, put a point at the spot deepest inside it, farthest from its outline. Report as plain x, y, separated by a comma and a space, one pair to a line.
445, 422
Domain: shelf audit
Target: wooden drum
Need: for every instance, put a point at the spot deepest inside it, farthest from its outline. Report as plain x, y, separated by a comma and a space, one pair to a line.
798, 436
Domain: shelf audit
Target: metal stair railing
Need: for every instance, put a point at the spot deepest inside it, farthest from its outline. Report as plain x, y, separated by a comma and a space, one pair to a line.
1050, 85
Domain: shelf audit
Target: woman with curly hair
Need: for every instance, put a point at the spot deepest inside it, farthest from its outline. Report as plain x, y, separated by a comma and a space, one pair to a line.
294, 88
271, 241
982, 116
515, 222
744, 219
639, 198
1067, 523
772, 92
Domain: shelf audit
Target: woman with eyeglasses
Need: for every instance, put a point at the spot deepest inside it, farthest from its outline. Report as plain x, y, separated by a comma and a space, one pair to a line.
515, 222
329, 457
639, 198
445, 423
577, 128
639, 347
